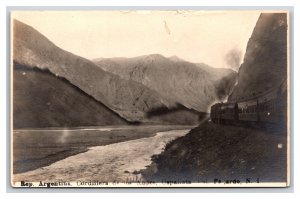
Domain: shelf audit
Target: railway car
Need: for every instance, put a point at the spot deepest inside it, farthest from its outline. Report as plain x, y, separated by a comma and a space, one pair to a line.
267, 108
224, 112
228, 112
247, 110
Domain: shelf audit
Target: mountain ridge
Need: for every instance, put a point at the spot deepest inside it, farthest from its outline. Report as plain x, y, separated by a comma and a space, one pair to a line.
195, 86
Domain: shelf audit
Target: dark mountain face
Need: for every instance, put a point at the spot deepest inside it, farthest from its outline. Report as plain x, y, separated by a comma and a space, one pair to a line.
265, 62
40, 99
195, 86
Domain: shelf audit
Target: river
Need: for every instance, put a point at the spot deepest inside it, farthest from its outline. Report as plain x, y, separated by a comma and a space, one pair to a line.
113, 162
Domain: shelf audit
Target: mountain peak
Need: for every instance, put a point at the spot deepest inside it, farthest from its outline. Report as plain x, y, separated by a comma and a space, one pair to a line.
154, 57
174, 58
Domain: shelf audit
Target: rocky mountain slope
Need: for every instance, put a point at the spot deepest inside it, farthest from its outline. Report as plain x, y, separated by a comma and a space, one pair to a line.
129, 99
265, 62
40, 99
195, 86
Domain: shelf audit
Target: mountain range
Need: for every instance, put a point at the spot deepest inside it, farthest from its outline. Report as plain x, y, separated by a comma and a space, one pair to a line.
195, 86
63, 89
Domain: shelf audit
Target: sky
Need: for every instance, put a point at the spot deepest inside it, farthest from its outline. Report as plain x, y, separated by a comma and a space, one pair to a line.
196, 36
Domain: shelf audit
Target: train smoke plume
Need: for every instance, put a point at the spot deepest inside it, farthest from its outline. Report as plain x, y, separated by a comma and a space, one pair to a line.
233, 58
225, 86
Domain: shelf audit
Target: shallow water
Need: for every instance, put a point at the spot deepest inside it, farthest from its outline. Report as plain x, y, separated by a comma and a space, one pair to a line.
113, 162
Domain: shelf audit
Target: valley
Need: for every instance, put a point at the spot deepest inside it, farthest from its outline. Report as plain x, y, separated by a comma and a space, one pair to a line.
148, 116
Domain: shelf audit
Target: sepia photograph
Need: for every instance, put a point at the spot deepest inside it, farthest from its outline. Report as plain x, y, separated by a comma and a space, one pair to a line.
150, 98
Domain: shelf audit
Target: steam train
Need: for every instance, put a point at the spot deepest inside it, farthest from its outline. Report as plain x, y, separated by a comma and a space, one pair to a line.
267, 108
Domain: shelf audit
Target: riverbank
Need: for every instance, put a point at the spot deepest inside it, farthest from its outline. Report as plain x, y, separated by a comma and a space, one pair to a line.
223, 152
37, 148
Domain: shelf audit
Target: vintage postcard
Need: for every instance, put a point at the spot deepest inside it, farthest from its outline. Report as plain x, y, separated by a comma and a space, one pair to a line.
149, 98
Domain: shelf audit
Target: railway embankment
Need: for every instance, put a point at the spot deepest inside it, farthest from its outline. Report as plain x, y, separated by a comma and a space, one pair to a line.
211, 151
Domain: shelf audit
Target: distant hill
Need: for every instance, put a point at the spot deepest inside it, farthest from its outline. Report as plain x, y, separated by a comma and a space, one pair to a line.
265, 62
40, 99
195, 86
129, 99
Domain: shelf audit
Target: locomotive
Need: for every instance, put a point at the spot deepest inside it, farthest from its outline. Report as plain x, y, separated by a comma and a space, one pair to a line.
267, 108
